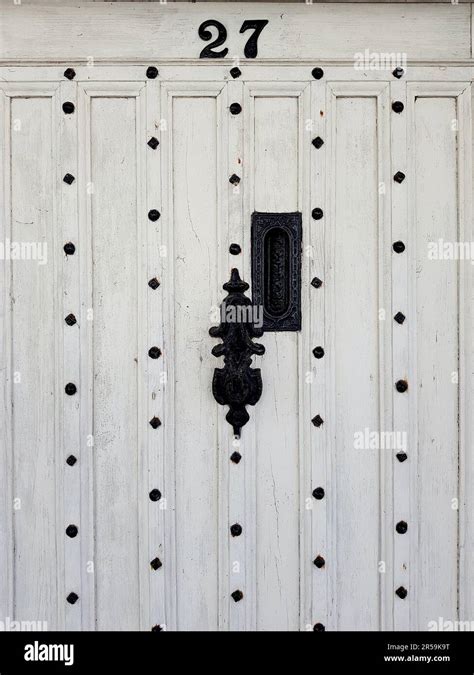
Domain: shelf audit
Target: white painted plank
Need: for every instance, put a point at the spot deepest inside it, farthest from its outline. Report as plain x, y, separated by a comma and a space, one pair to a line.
195, 230
68, 290
355, 486
275, 176
437, 358
6, 450
335, 69
32, 32
116, 360
466, 296
401, 366
156, 376
36, 519
318, 372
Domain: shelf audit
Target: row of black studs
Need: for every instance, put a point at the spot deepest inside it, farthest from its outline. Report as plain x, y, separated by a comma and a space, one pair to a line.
154, 352
401, 385
235, 249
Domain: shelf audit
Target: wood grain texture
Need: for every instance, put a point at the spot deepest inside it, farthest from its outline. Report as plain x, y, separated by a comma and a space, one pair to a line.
119, 178
116, 361
195, 226
36, 402
437, 358
97, 30
354, 306
276, 145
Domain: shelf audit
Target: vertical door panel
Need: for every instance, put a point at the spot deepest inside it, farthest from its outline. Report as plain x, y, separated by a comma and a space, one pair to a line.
436, 359
275, 177
194, 229
354, 304
116, 359
32, 378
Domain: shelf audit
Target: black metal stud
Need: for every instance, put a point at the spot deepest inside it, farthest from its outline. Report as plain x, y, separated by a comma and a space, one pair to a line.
154, 283
152, 72
155, 422
235, 249
234, 179
319, 562
68, 107
235, 72
399, 177
153, 143
317, 142
401, 592
71, 460
154, 352
401, 386
235, 108
398, 246
156, 629
69, 73
155, 495
153, 215
399, 318
317, 421
236, 530
71, 531
398, 73
70, 389
156, 564
317, 213
318, 352
319, 628
401, 456
69, 179
237, 596
401, 527
235, 457
69, 248
317, 73
317, 283
70, 319
397, 106
318, 493
72, 598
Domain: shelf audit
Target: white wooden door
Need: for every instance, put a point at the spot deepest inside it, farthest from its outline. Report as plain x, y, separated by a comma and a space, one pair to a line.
118, 495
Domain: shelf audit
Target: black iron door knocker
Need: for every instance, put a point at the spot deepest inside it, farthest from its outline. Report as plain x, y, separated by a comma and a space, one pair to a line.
276, 285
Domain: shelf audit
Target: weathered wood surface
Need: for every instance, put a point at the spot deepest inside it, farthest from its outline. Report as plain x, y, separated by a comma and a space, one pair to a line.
103, 31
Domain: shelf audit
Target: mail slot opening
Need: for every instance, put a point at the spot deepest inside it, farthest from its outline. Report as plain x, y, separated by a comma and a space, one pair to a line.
277, 272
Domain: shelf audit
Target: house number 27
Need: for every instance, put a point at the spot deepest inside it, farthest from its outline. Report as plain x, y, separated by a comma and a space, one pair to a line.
250, 49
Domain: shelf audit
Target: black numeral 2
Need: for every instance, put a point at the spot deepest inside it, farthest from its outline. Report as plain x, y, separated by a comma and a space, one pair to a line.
250, 49
206, 35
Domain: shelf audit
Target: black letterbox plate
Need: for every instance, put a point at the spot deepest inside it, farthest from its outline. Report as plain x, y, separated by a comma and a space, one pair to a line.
276, 269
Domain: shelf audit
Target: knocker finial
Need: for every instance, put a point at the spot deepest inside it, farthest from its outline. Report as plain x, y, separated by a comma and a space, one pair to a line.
237, 384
